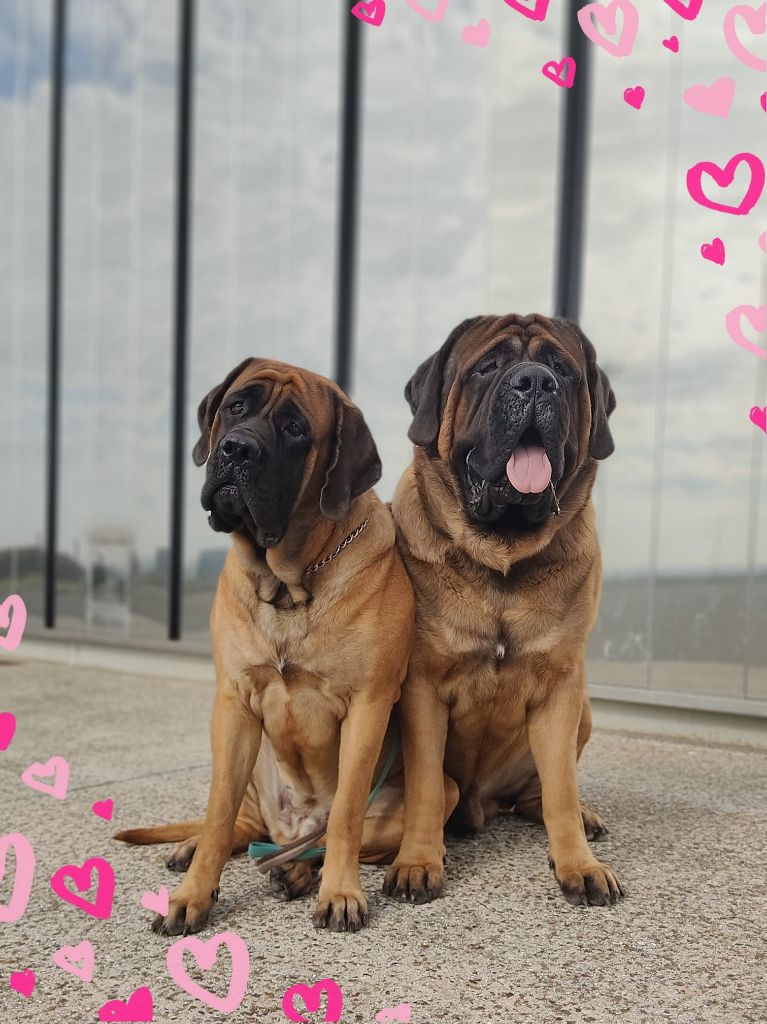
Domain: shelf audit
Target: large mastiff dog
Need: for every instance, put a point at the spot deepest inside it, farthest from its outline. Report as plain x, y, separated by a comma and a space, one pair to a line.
312, 624
496, 526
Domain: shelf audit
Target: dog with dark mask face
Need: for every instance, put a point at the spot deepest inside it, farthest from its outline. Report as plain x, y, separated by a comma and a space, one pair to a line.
496, 526
311, 627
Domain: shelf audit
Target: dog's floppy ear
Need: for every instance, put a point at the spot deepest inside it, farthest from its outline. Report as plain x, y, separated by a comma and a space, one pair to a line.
424, 390
207, 409
354, 465
602, 397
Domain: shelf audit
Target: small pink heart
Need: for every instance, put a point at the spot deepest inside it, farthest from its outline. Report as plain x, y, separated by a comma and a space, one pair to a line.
763, 101
400, 1012
24, 855
536, 13
756, 20
7, 729
55, 766
138, 1009
13, 624
724, 177
562, 72
311, 997
156, 901
689, 11
607, 17
435, 15
372, 13
714, 99
759, 417
757, 317
763, 241
205, 953
634, 97
672, 43
76, 960
23, 982
713, 251
477, 35
101, 906
103, 809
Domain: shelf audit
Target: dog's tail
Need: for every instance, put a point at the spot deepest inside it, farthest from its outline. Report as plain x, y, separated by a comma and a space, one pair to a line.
174, 833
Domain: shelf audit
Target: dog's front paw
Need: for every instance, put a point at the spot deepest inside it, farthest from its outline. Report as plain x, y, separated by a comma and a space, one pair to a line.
589, 885
188, 911
415, 879
341, 912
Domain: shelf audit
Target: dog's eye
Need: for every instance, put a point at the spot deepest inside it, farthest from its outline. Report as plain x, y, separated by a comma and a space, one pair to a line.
236, 408
560, 366
294, 428
482, 371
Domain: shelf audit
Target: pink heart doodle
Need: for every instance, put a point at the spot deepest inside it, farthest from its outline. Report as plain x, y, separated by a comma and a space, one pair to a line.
205, 954
76, 960
608, 20
757, 317
713, 251
724, 177
138, 1008
401, 1012
688, 11
553, 71
23, 982
714, 99
756, 19
13, 624
477, 35
436, 15
763, 102
536, 13
156, 901
759, 417
763, 241
311, 997
103, 809
634, 97
55, 766
372, 13
7, 729
672, 43
25, 873
101, 906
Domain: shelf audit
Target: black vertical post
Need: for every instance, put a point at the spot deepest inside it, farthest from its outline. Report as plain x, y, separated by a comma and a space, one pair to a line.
184, 143
572, 172
56, 190
347, 197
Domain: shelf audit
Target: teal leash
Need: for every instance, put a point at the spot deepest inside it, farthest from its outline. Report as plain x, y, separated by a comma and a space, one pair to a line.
258, 850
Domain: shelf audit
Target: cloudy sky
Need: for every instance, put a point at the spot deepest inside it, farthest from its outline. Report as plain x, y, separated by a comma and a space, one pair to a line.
458, 213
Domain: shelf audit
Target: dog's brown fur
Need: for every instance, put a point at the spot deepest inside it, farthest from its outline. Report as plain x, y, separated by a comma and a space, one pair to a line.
496, 685
308, 668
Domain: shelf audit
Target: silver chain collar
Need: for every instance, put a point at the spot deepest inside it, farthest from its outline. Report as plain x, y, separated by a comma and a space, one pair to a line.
344, 544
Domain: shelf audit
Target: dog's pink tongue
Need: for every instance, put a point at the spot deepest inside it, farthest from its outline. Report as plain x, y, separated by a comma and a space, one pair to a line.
529, 470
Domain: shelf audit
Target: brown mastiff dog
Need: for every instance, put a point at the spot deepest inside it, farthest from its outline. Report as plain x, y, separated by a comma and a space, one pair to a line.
312, 625
496, 525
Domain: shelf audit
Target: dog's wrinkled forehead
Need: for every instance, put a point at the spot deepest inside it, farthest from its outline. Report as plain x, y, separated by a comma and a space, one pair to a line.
520, 333
280, 381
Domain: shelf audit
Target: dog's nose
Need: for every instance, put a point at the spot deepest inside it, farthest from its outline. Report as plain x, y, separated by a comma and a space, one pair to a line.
533, 379
241, 448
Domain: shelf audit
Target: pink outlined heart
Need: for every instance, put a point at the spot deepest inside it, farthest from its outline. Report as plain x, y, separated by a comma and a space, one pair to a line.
607, 17
635, 97
401, 1012
156, 901
13, 625
672, 43
477, 35
311, 997
79, 960
553, 70
372, 12
756, 20
537, 12
757, 317
7, 729
23, 982
103, 809
138, 1008
206, 953
759, 417
101, 905
24, 856
688, 10
725, 177
437, 14
55, 766
715, 99
714, 251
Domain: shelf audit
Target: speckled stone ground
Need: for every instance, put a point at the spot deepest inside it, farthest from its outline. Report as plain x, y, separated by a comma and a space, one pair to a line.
689, 835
